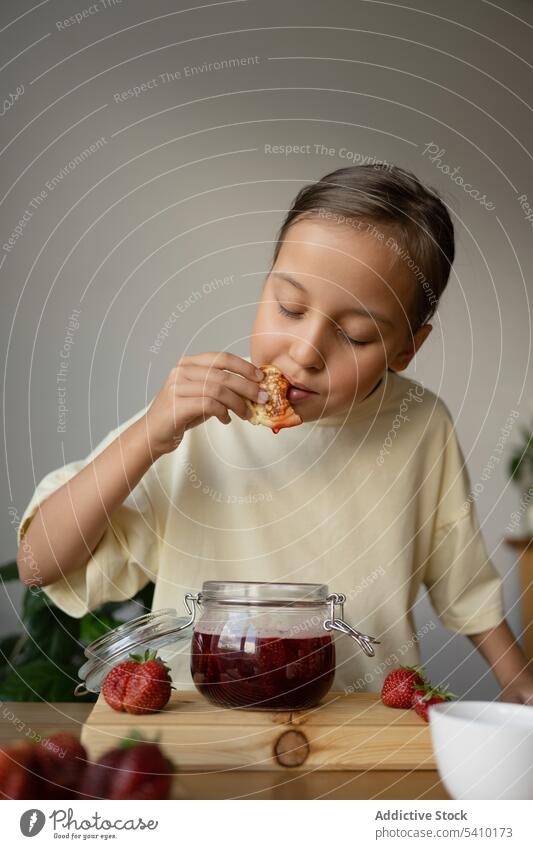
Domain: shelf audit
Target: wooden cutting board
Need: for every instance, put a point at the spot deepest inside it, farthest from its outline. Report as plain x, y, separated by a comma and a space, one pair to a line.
344, 732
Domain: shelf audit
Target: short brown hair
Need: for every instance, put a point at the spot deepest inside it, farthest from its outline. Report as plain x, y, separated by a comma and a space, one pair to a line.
394, 197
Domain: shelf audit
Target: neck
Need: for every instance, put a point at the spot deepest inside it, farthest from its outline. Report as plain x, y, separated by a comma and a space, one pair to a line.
374, 389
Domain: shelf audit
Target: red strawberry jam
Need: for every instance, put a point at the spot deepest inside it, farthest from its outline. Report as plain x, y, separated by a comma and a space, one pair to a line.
263, 673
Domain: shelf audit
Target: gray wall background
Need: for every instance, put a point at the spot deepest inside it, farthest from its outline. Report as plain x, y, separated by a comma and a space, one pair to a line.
182, 192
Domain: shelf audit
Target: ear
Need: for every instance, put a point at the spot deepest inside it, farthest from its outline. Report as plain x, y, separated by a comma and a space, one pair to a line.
404, 357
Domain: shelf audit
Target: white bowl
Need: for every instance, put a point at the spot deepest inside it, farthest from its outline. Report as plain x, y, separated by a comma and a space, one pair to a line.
484, 750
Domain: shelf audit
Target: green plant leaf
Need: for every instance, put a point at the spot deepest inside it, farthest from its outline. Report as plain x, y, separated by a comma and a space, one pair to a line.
49, 631
93, 626
7, 644
51, 649
38, 681
9, 571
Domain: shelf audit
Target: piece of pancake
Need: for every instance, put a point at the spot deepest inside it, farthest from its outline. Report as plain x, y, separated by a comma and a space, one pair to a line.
277, 413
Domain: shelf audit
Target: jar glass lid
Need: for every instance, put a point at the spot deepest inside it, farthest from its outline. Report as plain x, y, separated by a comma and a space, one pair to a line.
153, 631
259, 592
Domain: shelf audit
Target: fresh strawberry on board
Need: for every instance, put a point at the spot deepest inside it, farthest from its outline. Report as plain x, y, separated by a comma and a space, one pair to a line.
399, 686
426, 695
141, 684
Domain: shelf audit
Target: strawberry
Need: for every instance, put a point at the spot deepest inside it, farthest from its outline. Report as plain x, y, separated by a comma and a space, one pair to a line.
97, 778
139, 685
144, 773
61, 760
19, 772
425, 695
399, 685
116, 681
136, 769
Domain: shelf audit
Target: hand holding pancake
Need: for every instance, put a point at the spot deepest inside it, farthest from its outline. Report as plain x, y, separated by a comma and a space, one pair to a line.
277, 412
198, 387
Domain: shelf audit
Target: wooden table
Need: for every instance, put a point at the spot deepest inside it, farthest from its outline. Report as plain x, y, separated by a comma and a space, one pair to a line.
524, 546
21, 720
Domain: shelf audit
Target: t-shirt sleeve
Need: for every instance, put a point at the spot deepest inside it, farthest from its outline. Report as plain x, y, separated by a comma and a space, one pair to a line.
126, 557
463, 584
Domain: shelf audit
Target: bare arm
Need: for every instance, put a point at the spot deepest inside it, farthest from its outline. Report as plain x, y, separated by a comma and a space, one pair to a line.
71, 522
500, 649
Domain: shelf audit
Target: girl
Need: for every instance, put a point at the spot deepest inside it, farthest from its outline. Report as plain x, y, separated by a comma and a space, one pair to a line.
369, 495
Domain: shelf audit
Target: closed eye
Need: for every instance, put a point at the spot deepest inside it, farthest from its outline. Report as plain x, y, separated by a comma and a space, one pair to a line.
297, 315
287, 312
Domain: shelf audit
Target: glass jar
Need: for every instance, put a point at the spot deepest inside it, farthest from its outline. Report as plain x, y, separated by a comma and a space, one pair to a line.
261, 646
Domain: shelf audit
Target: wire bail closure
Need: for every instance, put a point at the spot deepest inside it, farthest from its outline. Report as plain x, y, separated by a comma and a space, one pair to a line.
365, 641
195, 598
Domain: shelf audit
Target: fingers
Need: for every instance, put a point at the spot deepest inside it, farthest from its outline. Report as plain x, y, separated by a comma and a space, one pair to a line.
202, 408
224, 360
213, 383
240, 385
218, 392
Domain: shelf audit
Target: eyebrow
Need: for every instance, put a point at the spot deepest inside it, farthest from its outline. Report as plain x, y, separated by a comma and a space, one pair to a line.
356, 310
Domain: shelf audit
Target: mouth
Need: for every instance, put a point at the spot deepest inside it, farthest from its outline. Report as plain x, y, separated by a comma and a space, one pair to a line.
297, 391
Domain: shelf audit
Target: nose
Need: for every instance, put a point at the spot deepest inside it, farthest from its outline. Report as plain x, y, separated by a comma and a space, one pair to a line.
306, 348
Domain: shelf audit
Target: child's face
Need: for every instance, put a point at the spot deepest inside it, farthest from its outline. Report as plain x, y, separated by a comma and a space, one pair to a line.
353, 286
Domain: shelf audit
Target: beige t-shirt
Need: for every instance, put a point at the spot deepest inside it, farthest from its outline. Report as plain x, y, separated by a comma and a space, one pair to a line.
373, 502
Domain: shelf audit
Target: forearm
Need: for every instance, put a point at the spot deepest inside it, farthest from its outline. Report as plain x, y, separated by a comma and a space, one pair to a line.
500, 649
71, 522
